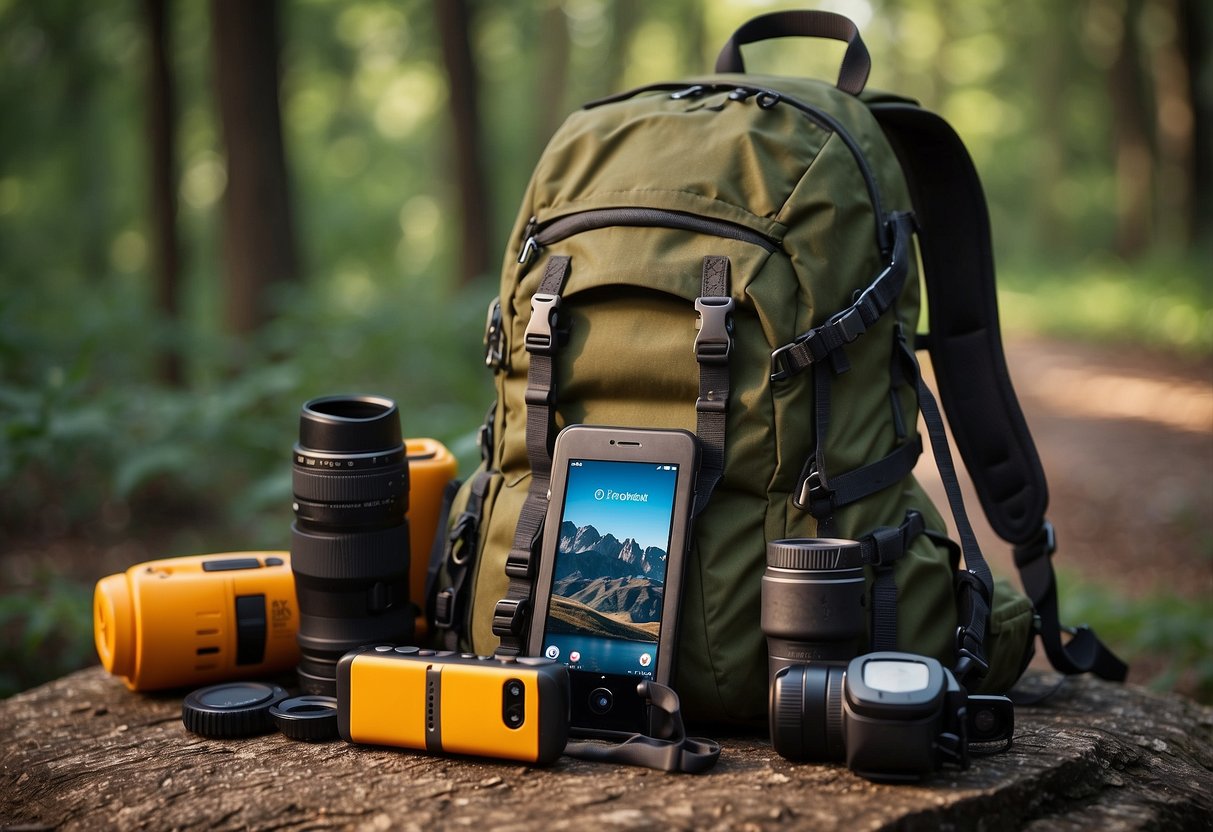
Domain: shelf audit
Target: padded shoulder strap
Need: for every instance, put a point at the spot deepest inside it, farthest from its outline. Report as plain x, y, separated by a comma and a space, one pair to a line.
965, 342
966, 352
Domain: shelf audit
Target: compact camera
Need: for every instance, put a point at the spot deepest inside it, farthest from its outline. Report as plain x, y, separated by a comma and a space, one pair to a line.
889, 715
444, 702
197, 620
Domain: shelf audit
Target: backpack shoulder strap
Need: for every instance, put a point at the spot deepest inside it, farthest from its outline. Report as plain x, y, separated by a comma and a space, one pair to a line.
965, 345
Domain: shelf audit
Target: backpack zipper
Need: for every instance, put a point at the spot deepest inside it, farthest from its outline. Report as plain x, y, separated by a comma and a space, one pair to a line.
767, 99
537, 236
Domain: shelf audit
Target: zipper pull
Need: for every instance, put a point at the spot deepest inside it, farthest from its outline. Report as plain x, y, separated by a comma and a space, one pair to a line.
742, 94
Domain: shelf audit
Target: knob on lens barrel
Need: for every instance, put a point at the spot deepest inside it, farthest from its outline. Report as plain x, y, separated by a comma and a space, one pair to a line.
813, 601
350, 540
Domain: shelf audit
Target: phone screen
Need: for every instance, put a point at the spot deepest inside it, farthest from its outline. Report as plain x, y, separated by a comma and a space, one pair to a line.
609, 573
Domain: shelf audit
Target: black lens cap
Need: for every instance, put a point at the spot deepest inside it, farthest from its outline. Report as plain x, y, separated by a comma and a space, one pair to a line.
308, 718
239, 709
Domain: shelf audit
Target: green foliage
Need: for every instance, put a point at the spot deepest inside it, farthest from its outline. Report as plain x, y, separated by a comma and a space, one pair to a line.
45, 632
1168, 634
1161, 302
89, 430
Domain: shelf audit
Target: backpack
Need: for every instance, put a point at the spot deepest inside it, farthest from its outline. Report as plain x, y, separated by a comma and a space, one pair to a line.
734, 255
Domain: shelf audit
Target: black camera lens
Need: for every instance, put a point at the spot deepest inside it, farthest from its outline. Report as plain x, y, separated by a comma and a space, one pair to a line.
513, 703
806, 712
349, 541
813, 601
601, 701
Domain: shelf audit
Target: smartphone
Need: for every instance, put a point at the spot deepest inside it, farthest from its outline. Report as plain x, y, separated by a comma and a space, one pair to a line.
448, 703
610, 571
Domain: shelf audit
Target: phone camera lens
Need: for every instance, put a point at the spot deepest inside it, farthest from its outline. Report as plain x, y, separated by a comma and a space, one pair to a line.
601, 701
513, 703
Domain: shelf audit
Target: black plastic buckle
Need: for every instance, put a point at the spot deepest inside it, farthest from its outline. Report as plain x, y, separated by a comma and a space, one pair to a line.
715, 339
888, 544
509, 616
444, 609
969, 659
493, 336
518, 564
540, 336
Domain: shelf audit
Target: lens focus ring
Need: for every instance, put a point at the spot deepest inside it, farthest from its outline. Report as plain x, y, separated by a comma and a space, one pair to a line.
337, 556
324, 486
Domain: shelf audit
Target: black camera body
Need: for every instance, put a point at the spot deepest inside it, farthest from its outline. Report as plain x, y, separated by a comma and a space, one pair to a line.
890, 716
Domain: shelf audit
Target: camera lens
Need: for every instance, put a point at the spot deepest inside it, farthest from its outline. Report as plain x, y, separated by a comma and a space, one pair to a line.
513, 703
601, 701
806, 712
813, 598
349, 541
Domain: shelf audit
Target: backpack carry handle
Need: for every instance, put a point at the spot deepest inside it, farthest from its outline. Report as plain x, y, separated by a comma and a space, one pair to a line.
856, 63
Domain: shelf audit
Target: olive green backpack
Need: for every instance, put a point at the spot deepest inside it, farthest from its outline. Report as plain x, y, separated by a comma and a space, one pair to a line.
735, 255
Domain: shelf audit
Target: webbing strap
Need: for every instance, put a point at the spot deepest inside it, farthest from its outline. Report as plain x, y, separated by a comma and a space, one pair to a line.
542, 340
844, 327
881, 549
975, 585
970, 368
713, 345
1084, 652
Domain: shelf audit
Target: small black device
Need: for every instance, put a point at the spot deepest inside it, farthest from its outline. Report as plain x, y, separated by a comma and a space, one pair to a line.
350, 539
891, 716
610, 574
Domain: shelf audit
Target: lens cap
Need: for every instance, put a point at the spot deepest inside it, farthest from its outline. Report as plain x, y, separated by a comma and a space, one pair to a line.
239, 709
307, 718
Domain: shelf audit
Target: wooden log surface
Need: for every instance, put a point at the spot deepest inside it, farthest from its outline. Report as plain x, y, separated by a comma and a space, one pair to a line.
84, 753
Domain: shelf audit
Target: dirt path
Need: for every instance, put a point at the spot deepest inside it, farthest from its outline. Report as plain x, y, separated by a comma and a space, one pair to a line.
1127, 444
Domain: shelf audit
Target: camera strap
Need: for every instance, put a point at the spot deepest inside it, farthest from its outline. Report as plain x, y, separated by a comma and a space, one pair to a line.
671, 750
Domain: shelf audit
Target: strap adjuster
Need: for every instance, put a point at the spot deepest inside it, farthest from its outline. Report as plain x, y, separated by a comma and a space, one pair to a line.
969, 658
715, 339
509, 616
444, 609
518, 564
1043, 544
540, 336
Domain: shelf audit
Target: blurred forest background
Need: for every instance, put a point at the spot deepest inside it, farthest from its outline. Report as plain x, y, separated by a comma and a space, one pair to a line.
210, 212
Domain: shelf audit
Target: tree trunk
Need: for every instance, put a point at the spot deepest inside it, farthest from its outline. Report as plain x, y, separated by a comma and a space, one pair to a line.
1134, 157
162, 134
258, 235
1196, 37
454, 24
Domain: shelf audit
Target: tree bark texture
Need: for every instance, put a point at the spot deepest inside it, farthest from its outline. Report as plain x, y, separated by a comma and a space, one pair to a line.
258, 234
84, 753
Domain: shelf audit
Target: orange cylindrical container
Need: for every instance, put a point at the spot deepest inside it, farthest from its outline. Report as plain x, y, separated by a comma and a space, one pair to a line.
431, 467
198, 619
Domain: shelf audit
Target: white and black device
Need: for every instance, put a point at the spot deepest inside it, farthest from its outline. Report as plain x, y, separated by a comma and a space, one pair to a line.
891, 716
610, 573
